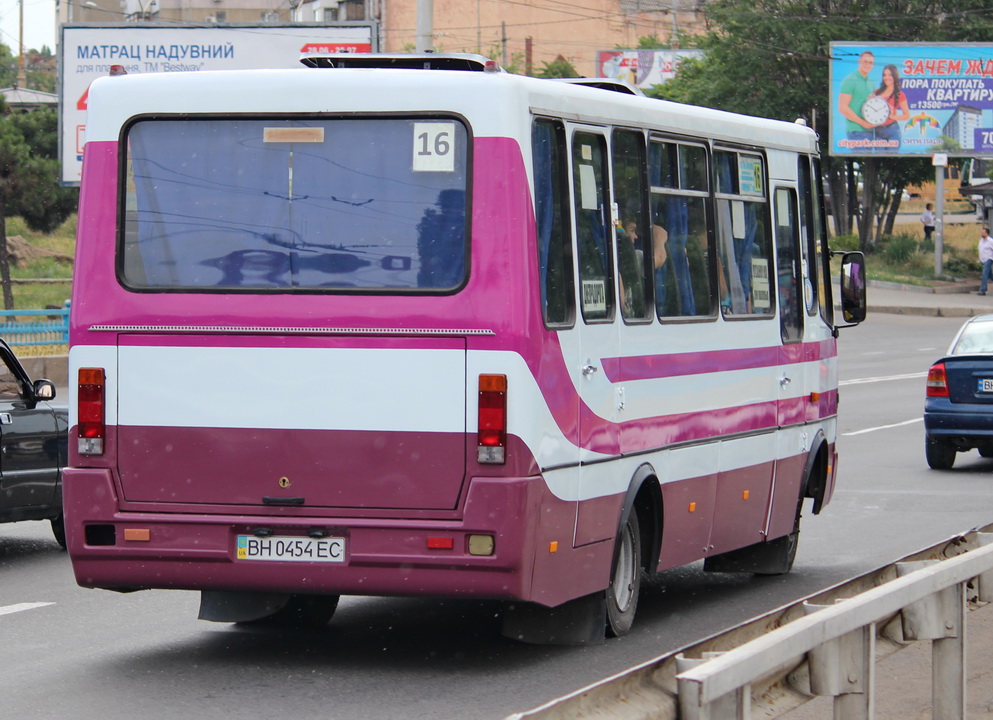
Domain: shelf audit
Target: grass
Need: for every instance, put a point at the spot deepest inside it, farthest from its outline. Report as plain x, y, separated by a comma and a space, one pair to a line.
32, 295
905, 257
41, 295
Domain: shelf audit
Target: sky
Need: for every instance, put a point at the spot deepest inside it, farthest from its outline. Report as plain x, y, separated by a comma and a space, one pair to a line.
39, 24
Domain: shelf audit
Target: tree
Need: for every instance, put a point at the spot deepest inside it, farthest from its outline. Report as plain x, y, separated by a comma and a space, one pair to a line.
557, 68
29, 179
771, 58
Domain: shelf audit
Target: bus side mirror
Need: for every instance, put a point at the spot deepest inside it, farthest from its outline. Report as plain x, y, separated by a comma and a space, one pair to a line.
853, 288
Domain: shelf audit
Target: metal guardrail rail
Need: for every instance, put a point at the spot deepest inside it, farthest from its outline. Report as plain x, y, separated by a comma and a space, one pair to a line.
825, 645
51, 329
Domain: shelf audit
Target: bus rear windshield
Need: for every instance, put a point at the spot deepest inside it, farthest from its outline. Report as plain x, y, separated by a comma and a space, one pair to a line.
356, 204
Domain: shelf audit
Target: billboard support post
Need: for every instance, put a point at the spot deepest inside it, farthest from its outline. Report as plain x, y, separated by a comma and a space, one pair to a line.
939, 160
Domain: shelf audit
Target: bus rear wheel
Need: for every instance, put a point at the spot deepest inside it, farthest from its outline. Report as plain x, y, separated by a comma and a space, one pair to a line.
304, 611
625, 580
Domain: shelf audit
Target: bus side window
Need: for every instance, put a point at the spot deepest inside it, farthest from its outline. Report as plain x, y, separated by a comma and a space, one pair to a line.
594, 228
818, 245
678, 175
788, 266
551, 213
633, 239
744, 247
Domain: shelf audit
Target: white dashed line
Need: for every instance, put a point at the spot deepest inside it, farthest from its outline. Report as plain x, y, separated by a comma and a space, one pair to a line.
21, 607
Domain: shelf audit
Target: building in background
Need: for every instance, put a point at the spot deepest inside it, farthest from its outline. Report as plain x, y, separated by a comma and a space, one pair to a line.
520, 36
962, 125
173, 11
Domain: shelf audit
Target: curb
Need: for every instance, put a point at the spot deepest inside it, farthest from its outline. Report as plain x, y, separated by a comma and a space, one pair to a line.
928, 311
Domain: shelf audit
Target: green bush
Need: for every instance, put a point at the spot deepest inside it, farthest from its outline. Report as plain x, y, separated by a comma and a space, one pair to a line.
957, 265
898, 249
844, 242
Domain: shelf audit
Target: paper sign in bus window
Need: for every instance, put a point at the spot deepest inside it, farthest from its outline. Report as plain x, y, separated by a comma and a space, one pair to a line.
760, 284
293, 135
434, 147
749, 175
587, 188
595, 298
738, 219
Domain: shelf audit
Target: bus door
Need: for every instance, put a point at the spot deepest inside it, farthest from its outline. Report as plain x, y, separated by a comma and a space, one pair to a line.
794, 381
789, 284
597, 333
815, 267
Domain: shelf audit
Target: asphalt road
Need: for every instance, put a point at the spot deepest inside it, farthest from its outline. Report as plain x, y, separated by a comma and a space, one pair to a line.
99, 655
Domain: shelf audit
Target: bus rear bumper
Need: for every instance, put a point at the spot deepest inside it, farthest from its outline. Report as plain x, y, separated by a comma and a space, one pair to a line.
127, 551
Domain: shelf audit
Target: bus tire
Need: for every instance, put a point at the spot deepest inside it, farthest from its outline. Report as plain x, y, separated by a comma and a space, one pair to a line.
304, 611
783, 550
625, 578
772, 557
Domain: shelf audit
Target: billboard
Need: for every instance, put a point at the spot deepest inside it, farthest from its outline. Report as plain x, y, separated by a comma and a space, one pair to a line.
87, 52
905, 99
643, 68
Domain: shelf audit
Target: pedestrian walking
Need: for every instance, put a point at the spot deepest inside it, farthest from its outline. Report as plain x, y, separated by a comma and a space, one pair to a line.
927, 220
985, 258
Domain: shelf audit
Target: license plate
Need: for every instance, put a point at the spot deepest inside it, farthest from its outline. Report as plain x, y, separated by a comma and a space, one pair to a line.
985, 385
291, 549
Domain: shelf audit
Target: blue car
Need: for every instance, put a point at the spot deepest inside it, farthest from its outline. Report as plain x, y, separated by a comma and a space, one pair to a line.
958, 409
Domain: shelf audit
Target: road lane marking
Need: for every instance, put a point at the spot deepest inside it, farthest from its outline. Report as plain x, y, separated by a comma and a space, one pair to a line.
883, 378
20, 607
883, 427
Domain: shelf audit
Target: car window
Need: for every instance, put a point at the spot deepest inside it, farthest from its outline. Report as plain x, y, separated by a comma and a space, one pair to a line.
10, 385
976, 338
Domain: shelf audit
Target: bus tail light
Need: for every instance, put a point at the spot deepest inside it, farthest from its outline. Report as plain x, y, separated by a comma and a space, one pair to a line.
492, 433
90, 411
937, 381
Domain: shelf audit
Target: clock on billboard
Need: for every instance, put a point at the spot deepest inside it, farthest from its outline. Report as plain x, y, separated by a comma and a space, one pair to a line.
876, 110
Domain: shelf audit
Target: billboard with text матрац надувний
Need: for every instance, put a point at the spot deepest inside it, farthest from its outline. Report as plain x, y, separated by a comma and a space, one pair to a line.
88, 51
908, 99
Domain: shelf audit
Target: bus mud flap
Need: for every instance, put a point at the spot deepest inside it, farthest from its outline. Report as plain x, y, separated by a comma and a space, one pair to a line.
581, 621
239, 607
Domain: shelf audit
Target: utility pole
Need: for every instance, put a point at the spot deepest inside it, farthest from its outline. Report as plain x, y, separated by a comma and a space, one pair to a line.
425, 26
503, 40
22, 78
940, 161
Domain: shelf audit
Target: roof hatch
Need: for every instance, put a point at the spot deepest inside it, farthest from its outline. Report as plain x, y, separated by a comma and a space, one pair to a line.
408, 61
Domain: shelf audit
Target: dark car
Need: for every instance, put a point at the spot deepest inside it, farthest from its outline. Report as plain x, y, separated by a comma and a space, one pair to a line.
33, 446
958, 409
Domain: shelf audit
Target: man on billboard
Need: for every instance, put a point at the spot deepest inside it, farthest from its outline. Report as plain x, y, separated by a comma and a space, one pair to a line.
855, 90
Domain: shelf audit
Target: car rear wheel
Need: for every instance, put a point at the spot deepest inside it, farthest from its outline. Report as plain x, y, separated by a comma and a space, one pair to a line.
940, 454
59, 530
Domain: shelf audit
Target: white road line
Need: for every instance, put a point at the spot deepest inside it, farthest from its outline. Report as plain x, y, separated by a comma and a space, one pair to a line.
20, 607
884, 427
883, 378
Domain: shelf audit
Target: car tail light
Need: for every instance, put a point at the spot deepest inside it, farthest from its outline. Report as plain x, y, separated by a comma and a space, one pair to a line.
492, 433
90, 411
937, 381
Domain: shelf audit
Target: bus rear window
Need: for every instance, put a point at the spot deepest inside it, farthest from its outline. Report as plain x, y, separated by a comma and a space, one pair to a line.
357, 204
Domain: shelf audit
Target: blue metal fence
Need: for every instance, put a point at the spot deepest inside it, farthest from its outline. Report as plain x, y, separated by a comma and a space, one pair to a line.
50, 328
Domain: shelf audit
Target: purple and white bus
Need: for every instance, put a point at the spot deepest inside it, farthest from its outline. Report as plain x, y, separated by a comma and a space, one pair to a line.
417, 326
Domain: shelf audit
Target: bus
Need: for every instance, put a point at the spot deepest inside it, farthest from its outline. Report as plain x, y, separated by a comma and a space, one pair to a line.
415, 326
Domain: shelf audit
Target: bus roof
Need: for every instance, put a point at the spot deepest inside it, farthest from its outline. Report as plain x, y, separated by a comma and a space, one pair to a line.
495, 103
